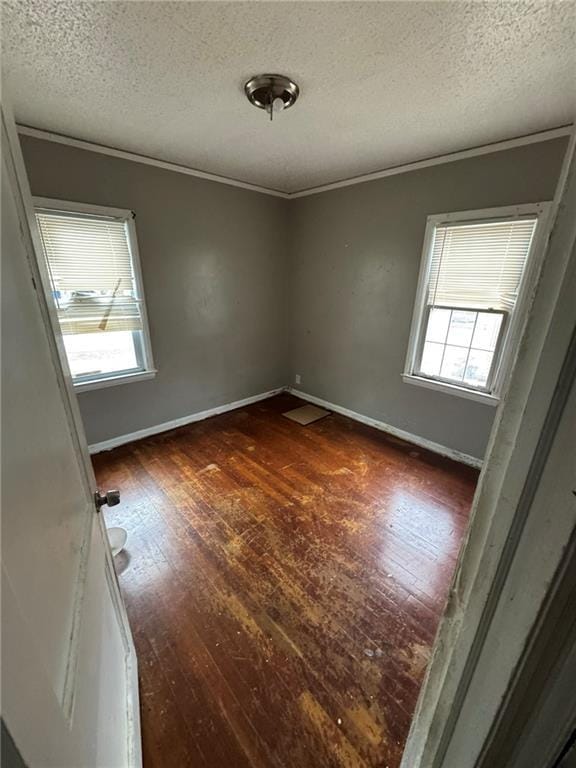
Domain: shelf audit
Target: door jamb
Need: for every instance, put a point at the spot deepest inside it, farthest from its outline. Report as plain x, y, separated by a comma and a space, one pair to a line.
492, 540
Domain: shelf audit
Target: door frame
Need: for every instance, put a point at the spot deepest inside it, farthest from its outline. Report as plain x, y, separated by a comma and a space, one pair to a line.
38, 273
465, 690
40, 277
500, 509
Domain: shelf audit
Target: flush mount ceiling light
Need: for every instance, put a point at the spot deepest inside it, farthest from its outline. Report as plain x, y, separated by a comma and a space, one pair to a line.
274, 93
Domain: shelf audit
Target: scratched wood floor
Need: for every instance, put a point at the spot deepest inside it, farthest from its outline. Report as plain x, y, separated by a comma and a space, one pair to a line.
284, 585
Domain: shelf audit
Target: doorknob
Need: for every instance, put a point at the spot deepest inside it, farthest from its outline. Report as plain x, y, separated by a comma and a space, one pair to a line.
111, 498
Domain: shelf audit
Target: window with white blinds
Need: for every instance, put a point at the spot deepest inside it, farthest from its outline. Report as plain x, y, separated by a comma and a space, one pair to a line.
95, 287
479, 265
473, 272
90, 268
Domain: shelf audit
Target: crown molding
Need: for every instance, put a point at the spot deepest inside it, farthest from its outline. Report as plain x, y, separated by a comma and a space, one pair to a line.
485, 149
463, 154
59, 138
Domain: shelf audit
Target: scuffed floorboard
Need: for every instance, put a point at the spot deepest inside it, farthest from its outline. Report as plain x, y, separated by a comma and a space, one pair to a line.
284, 585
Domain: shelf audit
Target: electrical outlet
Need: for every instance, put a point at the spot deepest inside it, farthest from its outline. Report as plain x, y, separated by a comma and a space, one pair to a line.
298, 379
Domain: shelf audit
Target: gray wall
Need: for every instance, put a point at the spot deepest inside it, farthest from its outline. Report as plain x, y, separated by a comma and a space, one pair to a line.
355, 260
213, 261
237, 307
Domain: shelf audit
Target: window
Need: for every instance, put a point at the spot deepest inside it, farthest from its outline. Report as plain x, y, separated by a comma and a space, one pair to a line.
92, 263
475, 268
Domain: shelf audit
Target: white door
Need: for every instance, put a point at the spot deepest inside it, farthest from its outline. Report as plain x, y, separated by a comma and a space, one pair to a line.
69, 678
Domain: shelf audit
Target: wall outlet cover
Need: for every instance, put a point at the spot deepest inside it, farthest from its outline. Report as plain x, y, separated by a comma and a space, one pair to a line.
298, 379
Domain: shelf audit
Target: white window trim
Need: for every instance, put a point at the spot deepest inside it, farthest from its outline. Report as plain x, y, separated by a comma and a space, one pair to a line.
111, 381
128, 216
533, 266
452, 389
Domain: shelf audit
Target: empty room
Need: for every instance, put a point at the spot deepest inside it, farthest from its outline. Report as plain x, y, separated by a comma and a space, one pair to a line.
288, 403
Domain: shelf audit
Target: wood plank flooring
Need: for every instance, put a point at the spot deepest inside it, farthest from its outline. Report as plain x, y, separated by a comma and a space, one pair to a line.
284, 585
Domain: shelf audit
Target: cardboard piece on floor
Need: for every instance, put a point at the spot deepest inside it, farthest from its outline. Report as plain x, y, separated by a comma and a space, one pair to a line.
306, 414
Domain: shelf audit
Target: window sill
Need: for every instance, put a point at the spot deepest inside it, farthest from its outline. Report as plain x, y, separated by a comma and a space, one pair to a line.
451, 389
112, 381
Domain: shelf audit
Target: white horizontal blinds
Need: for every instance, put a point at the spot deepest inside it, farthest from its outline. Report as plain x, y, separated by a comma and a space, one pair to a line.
91, 272
479, 265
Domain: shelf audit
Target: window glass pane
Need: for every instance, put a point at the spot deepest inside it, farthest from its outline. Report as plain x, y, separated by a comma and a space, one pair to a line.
454, 363
438, 321
100, 353
461, 328
487, 330
478, 368
431, 358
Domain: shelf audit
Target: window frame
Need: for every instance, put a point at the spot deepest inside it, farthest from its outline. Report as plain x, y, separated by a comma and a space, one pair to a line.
86, 383
513, 321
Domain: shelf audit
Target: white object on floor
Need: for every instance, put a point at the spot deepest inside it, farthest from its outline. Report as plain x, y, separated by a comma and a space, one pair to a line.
117, 538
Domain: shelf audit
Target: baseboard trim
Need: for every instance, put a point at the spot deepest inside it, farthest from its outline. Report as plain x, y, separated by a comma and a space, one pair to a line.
166, 426
442, 450
421, 442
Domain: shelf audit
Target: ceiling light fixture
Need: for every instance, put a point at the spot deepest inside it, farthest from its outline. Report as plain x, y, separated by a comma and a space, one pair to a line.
274, 93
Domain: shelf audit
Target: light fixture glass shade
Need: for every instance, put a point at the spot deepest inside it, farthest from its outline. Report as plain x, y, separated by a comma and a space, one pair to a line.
278, 104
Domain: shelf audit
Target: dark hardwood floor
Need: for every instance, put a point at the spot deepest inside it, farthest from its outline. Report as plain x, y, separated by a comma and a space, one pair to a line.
284, 585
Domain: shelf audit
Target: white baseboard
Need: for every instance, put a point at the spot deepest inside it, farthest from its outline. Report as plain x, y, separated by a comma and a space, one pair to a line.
450, 453
114, 442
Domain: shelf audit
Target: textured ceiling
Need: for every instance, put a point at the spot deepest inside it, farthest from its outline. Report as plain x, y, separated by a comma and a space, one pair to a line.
382, 83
